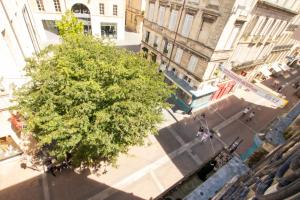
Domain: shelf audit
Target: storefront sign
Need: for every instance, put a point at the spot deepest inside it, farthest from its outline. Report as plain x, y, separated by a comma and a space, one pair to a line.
279, 102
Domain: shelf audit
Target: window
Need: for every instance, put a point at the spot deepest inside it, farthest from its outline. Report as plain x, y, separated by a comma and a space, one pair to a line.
101, 8
57, 5
204, 31
147, 36
40, 5
151, 12
155, 43
161, 15
186, 28
187, 79
165, 45
192, 63
178, 55
173, 19
115, 10
109, 30
153, 57
232, 37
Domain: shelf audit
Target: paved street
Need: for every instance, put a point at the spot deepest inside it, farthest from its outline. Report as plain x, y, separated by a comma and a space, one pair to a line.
148, 170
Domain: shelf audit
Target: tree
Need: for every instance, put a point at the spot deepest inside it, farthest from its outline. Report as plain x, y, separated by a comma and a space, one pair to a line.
69, 25
90, 99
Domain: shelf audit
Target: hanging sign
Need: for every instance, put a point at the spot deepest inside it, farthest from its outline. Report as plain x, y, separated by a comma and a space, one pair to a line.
276, 100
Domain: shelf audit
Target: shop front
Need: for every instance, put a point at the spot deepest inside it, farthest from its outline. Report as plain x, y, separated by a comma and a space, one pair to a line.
10, 128
223, 89
8, 148
187, 98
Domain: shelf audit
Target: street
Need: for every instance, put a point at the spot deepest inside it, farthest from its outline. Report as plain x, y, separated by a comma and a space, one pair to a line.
148, 170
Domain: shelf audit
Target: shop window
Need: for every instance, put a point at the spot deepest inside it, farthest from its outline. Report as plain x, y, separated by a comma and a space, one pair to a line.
109, 30
40, 5
8, 148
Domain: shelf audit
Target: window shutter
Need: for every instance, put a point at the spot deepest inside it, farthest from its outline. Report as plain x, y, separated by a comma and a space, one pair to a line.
173, 20
178, 55
151, 12
192, 63
161, 15
186, 28
232, 37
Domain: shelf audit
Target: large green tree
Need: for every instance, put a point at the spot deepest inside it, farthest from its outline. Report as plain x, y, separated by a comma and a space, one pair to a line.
90, 99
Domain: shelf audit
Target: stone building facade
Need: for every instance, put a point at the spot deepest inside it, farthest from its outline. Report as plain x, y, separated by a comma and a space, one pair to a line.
135, 10
102, 18
191, 38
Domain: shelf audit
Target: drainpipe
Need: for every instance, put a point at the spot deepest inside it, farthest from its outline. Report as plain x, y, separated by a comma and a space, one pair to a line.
12, 28
176, 32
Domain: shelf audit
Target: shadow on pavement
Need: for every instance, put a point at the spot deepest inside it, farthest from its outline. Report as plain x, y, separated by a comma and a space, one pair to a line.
66, 185
173, 137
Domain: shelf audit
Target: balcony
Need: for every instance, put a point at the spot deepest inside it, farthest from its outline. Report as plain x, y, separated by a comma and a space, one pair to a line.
282, 48
276, 6
247, 64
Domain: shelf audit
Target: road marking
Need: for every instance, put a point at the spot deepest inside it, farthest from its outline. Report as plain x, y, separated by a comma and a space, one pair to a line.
181, 141
157, 182
142, 172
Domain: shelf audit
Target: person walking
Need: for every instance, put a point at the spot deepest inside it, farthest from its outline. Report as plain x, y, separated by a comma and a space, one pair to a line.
251, 116
200, 131
245, 111
279, 88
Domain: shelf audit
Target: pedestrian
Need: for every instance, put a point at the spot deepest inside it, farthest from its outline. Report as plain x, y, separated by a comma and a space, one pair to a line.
245, 111
204, 137
251, 116
200, 131
203, 115
51, 168
279, 88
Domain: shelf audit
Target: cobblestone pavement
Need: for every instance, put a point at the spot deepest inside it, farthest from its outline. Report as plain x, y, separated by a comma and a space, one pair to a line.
148, 170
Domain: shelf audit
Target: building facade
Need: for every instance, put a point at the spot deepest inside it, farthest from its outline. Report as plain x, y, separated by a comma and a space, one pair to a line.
135, 10
191, 38
102, 18
18, 40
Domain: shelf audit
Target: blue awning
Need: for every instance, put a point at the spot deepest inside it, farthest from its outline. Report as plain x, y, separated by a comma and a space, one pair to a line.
206, 89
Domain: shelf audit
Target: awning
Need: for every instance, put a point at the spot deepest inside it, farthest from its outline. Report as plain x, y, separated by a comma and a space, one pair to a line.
264, 70
206, 89
276, 67
284, 67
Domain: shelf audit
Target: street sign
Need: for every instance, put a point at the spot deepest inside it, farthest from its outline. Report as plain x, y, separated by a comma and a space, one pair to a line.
276, 100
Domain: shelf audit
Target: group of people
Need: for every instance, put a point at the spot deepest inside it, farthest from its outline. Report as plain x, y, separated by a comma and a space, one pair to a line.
53, 167
204, 134
250, 116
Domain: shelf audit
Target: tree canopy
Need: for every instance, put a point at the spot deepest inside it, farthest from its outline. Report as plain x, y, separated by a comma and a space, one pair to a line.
90, 99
